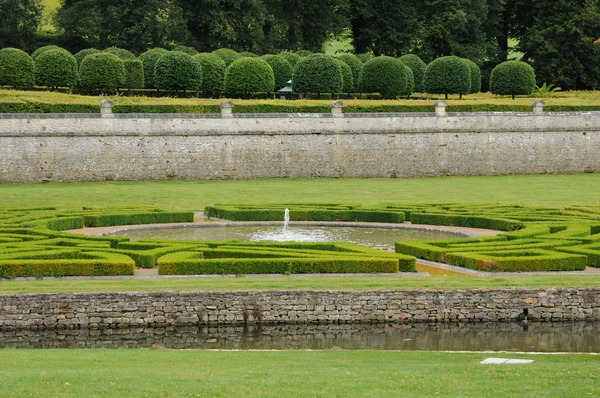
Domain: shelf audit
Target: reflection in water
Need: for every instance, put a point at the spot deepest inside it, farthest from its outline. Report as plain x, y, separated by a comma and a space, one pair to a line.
380, 238
539, 337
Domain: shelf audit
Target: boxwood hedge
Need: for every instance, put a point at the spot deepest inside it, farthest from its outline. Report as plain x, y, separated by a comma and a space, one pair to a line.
102, 71
56, 68
318, 73
16, 68
249, 75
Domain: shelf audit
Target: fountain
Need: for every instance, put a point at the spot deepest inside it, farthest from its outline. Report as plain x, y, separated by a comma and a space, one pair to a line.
286, 219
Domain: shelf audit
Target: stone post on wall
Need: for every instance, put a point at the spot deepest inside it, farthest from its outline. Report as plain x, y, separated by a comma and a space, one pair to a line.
538, 107
336, 109
106, 108
226, 109
440, 108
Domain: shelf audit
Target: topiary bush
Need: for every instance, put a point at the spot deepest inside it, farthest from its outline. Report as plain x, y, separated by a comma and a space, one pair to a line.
512, 78
249, 75
186, 49
16, 68
418, 67
101, 71
304, 53
177, 70
348, 79
355, 65
84, 53
410, 83
134, 73
318, 73
43, 49
291, 57
120, 52
149, 59
56, 68
282, 69
248, 54
213, 72
227, 55
364, 57
475, 76
385, 75
447, 75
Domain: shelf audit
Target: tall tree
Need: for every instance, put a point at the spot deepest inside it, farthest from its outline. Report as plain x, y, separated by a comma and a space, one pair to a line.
19, 20
559, 42
132, 24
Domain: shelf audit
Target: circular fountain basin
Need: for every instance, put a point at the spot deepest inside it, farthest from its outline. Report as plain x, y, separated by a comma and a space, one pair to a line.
379, 238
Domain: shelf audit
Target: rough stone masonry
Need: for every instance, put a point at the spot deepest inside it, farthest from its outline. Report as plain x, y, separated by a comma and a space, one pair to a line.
160, 309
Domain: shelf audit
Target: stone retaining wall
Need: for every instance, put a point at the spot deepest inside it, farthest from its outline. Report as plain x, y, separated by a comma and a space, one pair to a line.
161, 309
73, 148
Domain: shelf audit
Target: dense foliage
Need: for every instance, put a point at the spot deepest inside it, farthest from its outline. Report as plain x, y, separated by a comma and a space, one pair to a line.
79, 56
177, 70
120, 52
318, 73
56, 68
227, 55
348, 79
447, 75
249, 75
102, 71
149, 59
387, 76
512, 78
16, 68
134, 73
282, 69
186, 49
43, 49
355, 65
475, 76
19, 22
291, 57
213, 72
417, 66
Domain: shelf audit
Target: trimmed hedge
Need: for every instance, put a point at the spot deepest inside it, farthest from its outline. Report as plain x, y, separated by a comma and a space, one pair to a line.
532, 260
134, 73
149, 59
16, 68
282, 69
512, 78
120, 52
475, 76
79, 56
291, 57
56, 68
248, 75
227, 55
177, 70
355, 65
104, 220
43, 49
102, 71
213, 72
186, 49
500, 224
418, 68
317, 73
447, 75
385, 75
347, 77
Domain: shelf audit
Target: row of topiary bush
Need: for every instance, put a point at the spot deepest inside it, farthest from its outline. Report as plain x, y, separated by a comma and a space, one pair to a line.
235, 73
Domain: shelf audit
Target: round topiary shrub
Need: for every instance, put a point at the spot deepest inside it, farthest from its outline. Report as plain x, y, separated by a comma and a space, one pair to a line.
512, 78
364, 57
418, 67
447, 75
43, 49
410, 83
56, 68
282, 69
355, 65
16, 68
385, 75
101, 71
249, 75
149, 59
134, 73
248, 54
475, 76
291, 57
84, 53
304, 53
318, 73
213, 72
177, 70
227, 55
186, 49
348, 79
120, 52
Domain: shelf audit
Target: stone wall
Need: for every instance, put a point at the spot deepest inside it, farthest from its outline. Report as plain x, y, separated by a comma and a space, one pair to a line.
161, 309
42, 148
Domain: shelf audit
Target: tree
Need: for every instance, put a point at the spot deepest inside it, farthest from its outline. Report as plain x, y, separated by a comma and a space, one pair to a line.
134, 24
19, 21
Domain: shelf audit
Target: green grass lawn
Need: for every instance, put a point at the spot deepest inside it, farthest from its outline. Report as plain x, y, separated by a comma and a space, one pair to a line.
141, 373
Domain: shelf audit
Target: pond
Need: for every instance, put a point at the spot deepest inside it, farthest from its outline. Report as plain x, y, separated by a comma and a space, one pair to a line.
515, 337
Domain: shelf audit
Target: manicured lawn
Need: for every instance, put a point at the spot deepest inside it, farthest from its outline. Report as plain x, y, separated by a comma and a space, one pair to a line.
531, 190
292, 374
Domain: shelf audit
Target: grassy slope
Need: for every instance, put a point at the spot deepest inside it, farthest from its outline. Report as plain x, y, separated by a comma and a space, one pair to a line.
292, 373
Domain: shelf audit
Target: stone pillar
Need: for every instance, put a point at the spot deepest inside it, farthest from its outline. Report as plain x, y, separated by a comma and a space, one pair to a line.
538, 107
440, 107
226, 109
106, 108
336, 109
